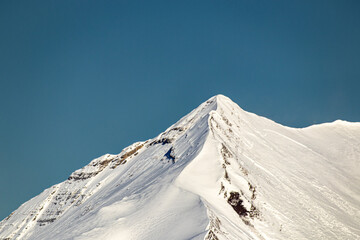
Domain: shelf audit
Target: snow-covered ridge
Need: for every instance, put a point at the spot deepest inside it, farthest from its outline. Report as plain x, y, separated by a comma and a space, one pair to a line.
218, 173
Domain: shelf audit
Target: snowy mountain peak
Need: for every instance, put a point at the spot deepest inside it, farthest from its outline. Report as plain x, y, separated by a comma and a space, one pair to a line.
218, 173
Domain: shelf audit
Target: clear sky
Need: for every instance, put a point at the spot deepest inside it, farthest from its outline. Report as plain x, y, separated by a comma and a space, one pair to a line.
79, 79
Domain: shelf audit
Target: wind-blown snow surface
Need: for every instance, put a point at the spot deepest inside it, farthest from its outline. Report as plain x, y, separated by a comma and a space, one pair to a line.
218, 173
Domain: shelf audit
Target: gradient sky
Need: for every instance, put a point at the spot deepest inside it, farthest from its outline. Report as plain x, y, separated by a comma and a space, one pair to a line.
79, 79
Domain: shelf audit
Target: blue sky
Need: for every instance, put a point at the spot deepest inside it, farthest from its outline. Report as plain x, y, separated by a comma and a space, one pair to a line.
82, 78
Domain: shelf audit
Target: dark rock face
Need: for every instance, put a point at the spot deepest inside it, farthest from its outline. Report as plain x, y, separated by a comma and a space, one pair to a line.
170, 155
235, 201
211, 236
162, 141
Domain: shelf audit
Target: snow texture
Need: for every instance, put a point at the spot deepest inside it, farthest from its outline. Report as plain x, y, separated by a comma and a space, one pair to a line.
218, 173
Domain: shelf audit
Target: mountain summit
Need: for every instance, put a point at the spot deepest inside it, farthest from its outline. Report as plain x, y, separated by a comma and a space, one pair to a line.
218, 173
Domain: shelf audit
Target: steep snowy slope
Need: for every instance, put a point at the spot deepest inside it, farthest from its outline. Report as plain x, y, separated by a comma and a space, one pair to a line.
218, 173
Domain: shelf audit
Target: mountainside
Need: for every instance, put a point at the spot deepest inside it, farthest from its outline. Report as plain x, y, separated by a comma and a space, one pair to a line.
218, 173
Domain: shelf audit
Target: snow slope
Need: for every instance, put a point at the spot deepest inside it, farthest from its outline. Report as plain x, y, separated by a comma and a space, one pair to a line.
218, 173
